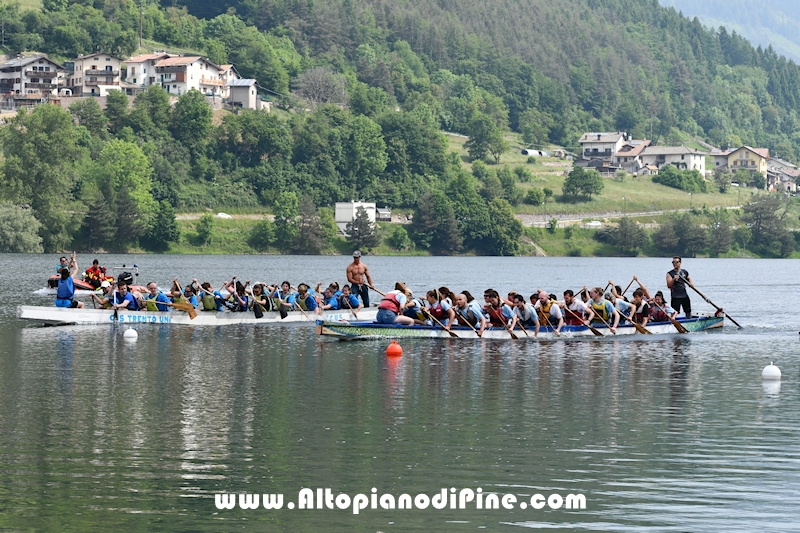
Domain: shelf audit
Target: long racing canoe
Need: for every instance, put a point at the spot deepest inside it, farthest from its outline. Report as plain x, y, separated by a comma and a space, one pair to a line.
60, 316
372, 330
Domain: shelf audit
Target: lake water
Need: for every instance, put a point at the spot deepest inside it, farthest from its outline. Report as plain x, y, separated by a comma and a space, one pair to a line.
672, 433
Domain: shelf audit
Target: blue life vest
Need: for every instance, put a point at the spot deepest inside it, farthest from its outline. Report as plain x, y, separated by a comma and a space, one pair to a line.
66, 289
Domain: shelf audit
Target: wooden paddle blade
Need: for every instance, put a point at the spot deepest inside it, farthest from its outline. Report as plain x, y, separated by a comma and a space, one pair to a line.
192, 314
595, 331
678, 326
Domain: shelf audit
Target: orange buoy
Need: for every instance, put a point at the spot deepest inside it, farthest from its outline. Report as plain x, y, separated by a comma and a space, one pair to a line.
394, 350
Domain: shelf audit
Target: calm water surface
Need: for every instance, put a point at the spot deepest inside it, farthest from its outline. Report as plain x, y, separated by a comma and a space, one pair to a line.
676, 433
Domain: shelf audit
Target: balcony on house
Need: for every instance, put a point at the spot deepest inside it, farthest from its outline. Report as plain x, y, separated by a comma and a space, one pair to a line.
164, 70
210, 81
40, 73
37, 85
98, 72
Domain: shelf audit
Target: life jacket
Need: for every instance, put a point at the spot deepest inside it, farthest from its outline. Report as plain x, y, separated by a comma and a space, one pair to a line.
572, 317
657, 314
544, 312
209, 302
302, 302
438, 311
600, 310
496, 317
110, 299
638, 313
150, 302
97, 273
179, 299
390, 302
66, 289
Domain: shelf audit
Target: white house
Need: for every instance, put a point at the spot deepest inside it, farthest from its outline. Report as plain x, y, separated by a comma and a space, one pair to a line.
346, 212
681, 157
601, 145
629, 155
179, 75
93, 71
33, 77
141, 69
227, 73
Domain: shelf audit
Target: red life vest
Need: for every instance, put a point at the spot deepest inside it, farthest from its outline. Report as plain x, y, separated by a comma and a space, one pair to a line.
437, 311
96, 273
496, 317
657, 314
390, 302
571, 317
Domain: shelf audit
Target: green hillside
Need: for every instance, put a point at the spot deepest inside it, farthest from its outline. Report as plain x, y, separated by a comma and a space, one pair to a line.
365, 88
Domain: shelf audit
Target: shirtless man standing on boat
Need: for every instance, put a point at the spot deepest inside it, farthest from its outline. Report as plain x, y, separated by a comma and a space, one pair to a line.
357, 272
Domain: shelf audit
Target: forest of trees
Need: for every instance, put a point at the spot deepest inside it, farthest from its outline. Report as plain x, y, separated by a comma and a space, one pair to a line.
397, 74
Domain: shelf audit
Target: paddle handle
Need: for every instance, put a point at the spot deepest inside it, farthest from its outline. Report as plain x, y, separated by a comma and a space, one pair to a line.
379, 292
452, 333
718, 308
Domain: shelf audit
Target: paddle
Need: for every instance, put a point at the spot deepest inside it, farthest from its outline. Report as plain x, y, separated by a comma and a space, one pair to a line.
640, 328
606, 323
626, 288
379, 292
350, 307
549, 324
703, 296
675, 323
591, 328
466, 320
525, 331
503, 319
184, 306
452, 333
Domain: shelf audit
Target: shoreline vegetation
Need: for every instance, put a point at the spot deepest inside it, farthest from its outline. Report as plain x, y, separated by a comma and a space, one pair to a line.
370, 121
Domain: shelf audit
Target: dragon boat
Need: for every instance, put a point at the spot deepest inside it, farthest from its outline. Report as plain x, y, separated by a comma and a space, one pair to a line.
55, 316
371, 330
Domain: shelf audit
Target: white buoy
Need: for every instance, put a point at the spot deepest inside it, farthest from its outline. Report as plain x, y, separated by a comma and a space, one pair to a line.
771, 372
130, 334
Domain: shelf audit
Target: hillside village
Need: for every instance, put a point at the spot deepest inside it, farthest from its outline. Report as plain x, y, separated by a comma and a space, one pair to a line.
28, 80
608, 152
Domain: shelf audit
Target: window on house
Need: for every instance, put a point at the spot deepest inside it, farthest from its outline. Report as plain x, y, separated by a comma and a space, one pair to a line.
681, 158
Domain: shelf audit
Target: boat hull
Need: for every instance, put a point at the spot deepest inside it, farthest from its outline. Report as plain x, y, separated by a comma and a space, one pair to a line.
371, 330
61, 316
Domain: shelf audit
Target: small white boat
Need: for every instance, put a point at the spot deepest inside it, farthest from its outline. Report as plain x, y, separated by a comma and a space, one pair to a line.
55, 316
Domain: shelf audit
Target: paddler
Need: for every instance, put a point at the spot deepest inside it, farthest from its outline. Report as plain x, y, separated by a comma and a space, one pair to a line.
105, 299
304, 298
349, 301
549, 312
124, 299
283, 296
526, 314
155, 300
468, 312
576, 313
659, 310
390, 310
238, 300
440, 309
500, 315
359, 279
65, 294
641, 310
330, 301
212, 300
603, 309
